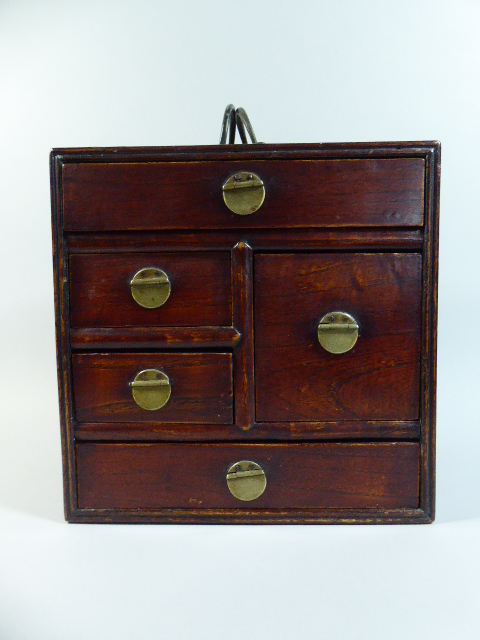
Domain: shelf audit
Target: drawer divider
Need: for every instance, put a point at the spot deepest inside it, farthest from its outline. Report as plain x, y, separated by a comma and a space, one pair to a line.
243, 365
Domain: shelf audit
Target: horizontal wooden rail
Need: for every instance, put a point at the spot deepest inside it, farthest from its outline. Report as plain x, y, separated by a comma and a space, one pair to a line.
154, 338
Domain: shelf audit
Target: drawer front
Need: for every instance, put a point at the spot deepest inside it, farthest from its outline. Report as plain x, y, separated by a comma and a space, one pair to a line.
200, 387
200, 290
303, 476
297, 379
298, 193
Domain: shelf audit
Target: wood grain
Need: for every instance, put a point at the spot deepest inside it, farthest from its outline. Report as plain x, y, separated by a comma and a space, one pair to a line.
259, 431
201, 387
335, 239
243, 365
188, 195
296, 379
299, 476
200, 295
154, 337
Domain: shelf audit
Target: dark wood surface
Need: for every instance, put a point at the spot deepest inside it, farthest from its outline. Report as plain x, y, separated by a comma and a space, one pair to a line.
257, 432
429, 331
200, 295
154, 337
296, 379
201, 387
303, 476
391, 213
242, 284
188, 195
258, 239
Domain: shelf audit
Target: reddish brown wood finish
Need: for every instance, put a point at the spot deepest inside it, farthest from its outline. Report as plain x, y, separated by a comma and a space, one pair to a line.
302, 476
201, 387
258, 239
200, 295
154, 337
296, 379
258, 432
188, 195
242, 284
392, 208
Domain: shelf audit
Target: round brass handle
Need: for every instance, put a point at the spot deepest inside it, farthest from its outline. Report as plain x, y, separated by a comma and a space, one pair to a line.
246, 480
337, 332
150, 287
151, 389
243, 193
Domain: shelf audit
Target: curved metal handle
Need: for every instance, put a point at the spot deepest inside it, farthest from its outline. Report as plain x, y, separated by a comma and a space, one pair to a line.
243, 122
233, 118
228, 125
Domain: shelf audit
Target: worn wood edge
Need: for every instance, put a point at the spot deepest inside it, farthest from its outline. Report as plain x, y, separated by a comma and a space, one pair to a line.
242, 319
260, 432
302, 239
154, 337
429, 332
293, 516
62, 342
352, 150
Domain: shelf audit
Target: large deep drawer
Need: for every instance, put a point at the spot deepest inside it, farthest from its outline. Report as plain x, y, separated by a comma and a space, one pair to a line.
298, 476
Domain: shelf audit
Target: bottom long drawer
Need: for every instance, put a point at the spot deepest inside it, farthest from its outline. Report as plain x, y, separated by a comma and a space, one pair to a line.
286, 476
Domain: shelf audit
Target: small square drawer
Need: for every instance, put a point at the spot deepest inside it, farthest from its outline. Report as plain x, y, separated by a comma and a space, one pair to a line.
337, 336
153, 387
196, 478
184, 289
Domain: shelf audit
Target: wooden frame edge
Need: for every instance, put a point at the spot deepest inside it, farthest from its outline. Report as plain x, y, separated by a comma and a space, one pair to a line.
212, 517
62, 338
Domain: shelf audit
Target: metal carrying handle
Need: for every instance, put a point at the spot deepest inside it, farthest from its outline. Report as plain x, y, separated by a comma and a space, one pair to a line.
243, 123
233, 119
228, 125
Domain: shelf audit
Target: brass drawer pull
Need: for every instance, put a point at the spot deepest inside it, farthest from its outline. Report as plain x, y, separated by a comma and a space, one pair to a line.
151, 389
149, 383
244, 193
150, 287
242, 181
146, 282
246, 480
337, 332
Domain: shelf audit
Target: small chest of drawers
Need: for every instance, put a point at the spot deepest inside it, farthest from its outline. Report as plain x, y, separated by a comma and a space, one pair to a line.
247, 333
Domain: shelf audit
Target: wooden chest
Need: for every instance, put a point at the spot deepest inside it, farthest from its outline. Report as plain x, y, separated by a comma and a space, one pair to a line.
247, 333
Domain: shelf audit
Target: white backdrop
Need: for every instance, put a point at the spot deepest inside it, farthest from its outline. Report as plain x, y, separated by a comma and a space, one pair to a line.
96, 73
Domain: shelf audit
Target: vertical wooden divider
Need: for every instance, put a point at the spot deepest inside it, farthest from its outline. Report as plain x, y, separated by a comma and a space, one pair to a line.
243, 366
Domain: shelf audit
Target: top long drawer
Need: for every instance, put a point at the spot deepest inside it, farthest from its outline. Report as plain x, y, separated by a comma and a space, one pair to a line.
188, 195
